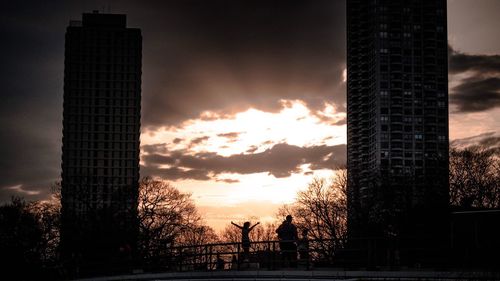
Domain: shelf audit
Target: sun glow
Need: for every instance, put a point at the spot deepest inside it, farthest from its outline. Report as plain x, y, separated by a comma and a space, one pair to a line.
249, 132
255, 130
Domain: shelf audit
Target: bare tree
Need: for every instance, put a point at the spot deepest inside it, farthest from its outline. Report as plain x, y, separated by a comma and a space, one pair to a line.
164, 214
198, 235
266, 232
20, 241
322, 209
30, 232
47, 215
474, 178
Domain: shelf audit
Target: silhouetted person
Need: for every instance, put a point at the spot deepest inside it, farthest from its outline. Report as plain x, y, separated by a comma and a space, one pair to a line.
287, 234
303, 245
219, 263
234, 262
245, 238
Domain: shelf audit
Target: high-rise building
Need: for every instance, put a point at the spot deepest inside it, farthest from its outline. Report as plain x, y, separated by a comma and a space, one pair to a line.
101, 128
397, 115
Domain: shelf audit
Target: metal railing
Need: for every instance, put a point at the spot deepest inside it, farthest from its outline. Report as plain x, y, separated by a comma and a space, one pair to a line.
262, 255
353, 254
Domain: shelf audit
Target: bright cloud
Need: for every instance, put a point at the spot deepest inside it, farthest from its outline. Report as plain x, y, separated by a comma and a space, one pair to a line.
254, 156
294, 125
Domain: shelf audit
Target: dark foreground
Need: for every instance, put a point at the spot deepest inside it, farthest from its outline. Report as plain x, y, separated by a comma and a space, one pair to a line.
308, 275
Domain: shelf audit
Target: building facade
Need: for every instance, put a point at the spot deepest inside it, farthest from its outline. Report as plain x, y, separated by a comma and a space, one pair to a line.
397, 114
101, 129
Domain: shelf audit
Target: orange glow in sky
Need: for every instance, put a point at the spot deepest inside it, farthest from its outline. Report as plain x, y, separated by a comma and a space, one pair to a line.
256, 131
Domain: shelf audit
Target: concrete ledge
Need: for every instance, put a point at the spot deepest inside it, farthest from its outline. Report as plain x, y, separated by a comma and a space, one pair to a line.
299, 275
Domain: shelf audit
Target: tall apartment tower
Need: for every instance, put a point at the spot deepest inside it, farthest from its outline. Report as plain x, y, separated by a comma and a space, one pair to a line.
397, 115
101, 128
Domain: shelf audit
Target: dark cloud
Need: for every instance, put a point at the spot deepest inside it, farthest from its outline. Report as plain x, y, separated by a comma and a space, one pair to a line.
154, 148
177, 140
281, 160
200, 58
489, 141
231, 135
31, 77
472, 140
207, 58
175, 173
480, 91
228, 56
461, 62
252, 149
332, 121
477, 94
29, 157
227, 180
199, 140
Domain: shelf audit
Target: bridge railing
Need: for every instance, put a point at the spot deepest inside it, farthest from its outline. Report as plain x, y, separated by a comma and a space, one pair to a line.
271, 255
262, 254
353, 254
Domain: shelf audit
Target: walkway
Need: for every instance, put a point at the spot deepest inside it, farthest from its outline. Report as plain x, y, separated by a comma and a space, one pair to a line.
306, 275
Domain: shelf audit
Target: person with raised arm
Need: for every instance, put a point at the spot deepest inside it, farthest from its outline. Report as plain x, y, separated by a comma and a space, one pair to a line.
245, 237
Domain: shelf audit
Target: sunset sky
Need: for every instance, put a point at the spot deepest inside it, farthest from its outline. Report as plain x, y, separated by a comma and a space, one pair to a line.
243, 102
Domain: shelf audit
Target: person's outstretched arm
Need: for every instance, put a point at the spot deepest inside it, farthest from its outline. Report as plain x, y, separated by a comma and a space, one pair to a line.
253, 226
240, 227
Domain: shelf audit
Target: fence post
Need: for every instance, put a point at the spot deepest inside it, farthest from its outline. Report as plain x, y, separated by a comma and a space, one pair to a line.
238, 255
180, 259
274, 256
268, 254
308, 257
210, 265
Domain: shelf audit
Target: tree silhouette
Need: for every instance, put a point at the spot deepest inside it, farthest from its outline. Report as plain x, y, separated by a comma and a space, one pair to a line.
21, 240
165, 216
322, 209
474, 178
47, 215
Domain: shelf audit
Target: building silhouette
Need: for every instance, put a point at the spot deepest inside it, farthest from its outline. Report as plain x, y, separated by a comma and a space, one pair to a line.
101, 128
397, 117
